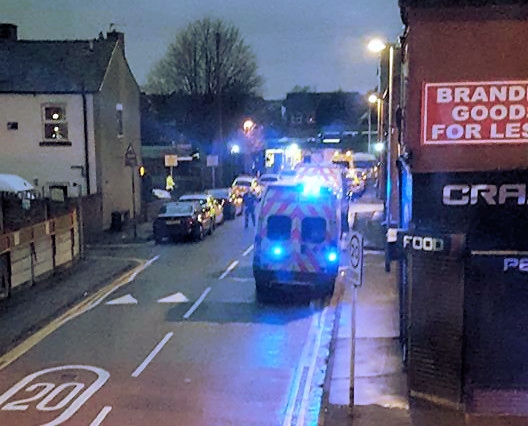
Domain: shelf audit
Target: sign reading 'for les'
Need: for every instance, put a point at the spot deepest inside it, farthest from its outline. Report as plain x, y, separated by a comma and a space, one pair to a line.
475, 112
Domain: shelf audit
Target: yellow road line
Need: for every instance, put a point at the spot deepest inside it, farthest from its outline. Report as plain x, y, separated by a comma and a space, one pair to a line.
85, 305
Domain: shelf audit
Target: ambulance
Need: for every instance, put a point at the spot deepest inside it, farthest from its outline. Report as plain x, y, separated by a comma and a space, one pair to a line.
297, 237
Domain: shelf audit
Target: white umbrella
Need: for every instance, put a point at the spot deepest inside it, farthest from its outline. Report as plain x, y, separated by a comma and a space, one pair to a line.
13, 183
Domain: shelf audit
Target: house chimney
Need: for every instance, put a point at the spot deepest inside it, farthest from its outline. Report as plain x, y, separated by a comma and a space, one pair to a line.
8, 32
116, 36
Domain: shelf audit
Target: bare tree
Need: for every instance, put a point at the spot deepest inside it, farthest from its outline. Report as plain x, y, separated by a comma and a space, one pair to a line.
209, 57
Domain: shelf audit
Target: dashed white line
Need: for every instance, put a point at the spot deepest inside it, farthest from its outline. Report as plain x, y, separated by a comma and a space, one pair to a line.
101, 416
197, 303
248, 250
151, 356
228, 270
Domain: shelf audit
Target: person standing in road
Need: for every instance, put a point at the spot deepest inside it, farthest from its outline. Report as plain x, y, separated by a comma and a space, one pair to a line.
249, 207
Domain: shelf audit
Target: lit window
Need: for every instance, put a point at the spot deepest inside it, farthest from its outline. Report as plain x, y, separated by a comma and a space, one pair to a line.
55, 124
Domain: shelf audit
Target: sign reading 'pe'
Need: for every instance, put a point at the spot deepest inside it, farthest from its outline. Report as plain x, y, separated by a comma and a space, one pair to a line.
475, 112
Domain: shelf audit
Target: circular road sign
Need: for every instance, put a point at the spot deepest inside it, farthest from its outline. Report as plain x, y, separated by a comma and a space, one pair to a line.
355, 251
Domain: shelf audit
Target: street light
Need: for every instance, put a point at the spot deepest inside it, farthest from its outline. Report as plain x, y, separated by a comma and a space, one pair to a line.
372, 99
379, 46
248, 126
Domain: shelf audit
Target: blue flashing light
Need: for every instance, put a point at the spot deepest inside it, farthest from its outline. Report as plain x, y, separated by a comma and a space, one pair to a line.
312, 187
277, 251
331, 256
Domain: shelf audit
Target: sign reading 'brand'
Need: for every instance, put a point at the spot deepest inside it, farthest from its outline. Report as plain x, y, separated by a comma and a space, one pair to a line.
475, 112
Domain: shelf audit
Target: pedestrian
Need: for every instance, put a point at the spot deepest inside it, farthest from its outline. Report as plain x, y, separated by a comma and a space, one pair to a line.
249, 207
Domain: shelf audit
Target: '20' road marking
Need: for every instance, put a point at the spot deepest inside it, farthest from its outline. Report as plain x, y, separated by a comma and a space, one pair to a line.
74, 395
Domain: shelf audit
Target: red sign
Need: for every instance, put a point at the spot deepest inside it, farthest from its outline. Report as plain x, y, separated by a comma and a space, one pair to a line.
475, 112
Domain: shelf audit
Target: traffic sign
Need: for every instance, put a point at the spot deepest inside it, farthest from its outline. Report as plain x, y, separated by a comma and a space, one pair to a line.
130, 156
171, 160
356, 259
212, 161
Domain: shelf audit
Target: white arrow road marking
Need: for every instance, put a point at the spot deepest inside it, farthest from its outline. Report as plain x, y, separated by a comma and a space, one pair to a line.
151, 356
228, 270
89, 303
125, 300
174, 298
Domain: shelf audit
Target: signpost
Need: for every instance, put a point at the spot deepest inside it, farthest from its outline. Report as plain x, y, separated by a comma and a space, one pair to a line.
356, 279
131, 161
212, 161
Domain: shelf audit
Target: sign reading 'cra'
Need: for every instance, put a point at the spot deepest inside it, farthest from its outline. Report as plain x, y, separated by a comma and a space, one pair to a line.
475, 112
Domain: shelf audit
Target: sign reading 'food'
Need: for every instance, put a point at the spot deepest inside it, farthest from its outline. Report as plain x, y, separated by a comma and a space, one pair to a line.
475, 112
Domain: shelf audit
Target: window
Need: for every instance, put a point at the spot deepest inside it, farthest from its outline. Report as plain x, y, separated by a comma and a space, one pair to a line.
119, 119
313, 230
279, 228
55, 124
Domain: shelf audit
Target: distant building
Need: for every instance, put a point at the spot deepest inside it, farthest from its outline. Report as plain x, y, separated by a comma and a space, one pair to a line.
334, 116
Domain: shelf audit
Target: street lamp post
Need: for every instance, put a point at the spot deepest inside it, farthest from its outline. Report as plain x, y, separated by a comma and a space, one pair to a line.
372, 99
378, 46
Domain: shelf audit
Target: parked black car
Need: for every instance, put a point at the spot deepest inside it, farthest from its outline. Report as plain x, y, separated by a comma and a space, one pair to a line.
179, 220
231, 202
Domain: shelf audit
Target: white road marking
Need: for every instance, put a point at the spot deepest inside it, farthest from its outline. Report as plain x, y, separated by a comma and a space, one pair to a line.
124, 300
102, 377
126, 279
101, 416
303, 362
242, 280
228, 270
82, 307
248, 250
309, 378
174, 298
151, 356
197, 303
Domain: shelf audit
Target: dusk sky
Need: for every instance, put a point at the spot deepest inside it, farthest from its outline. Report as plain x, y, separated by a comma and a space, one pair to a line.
316, 43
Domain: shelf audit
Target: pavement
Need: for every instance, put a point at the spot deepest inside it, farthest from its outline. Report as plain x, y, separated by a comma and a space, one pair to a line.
366, 338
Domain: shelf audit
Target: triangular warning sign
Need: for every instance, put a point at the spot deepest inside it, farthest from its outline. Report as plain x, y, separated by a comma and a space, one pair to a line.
125, 300
174, 298
130, 153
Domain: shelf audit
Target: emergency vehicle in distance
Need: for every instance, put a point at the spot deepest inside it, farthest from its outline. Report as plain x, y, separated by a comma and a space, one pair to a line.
297, 236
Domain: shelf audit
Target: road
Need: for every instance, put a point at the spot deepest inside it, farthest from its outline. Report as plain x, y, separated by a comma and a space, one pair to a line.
183, 343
